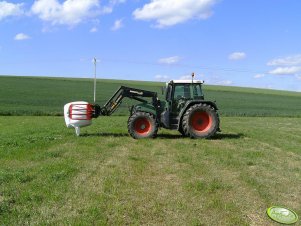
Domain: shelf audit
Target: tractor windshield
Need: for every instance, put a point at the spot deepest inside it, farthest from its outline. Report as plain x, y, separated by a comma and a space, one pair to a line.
188, 91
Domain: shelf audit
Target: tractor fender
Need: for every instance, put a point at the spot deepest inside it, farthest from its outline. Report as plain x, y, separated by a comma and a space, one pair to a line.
193, 102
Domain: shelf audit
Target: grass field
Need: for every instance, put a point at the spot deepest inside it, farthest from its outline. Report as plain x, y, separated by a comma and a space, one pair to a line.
49, 176
47, 96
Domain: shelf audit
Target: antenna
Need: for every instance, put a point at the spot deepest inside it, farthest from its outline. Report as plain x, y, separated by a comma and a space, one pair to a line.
192, 76
95, 62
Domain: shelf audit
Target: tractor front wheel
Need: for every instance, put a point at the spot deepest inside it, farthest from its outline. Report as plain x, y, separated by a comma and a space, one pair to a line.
142, 125
200, 121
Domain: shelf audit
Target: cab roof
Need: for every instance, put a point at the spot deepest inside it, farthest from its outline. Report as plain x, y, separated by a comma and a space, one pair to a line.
187, 81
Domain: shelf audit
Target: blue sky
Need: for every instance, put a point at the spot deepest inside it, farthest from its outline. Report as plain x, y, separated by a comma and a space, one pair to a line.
251, 43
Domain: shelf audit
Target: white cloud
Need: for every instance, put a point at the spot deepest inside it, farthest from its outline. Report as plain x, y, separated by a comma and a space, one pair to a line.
109, 8
117, 25
21, 36
285, 70
170, 12
290, 65
48, 29
286, 61
225, 83
93, 29
162, 77
237, 56
10, 9
189, 76
70, 12
115, 2
186, 77
269, 87
169, 60
259, 75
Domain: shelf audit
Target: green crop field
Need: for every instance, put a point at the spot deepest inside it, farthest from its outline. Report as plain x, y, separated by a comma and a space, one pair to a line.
47, 96
48, 176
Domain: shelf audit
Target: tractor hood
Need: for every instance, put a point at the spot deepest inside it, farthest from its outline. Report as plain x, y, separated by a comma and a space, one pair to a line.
145, 107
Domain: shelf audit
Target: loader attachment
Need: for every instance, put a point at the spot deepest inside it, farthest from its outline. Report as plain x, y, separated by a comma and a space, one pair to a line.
78, 114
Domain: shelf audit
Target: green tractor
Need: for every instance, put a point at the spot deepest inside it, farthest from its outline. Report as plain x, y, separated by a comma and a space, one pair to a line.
184, 109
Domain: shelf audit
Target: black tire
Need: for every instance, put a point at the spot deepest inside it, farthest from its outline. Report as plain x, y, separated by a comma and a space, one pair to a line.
142, 125
200, 121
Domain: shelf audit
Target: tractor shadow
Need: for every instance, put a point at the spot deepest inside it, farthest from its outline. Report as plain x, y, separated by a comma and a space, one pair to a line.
228, 136
104, 135
220, 136
169, 136
159, 136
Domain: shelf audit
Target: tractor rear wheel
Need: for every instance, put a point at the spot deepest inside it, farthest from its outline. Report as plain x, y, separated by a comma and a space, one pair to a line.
142, 125
200, 121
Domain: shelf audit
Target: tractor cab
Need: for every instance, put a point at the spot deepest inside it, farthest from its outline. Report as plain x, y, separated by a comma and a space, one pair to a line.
179, 93
184, 89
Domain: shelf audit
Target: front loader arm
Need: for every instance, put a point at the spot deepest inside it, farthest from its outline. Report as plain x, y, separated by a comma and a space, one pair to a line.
132, 93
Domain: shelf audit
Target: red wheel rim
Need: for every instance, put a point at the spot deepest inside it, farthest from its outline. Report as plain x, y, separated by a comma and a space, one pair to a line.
142, 126
201, 121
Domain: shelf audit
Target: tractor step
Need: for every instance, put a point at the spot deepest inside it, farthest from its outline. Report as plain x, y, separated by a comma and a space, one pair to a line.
174, 126
174, 120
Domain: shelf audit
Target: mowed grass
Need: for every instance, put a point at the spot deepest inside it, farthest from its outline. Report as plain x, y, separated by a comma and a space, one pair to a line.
50, 176
47, 96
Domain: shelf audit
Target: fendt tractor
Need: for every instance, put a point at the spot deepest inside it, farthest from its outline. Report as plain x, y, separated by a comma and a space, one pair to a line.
184, 109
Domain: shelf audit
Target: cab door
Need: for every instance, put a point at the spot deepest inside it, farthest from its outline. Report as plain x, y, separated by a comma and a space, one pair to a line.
166, 114
181, 93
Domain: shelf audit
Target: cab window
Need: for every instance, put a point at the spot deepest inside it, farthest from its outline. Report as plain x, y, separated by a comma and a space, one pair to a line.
197, 91
182, 90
